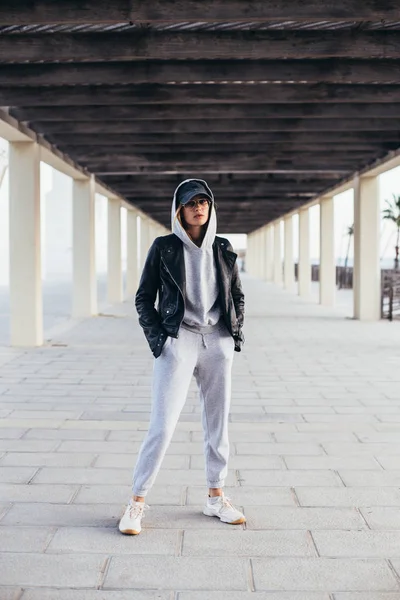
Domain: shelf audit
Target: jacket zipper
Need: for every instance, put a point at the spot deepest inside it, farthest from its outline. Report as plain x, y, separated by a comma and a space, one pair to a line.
180, 291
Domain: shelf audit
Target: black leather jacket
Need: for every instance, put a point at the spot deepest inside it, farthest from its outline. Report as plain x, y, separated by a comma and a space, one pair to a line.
164, 274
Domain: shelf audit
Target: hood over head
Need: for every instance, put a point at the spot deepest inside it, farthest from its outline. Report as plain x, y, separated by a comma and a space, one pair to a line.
185, 191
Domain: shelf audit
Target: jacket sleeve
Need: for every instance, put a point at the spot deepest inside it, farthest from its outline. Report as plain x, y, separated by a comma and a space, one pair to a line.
237, 295
146, 295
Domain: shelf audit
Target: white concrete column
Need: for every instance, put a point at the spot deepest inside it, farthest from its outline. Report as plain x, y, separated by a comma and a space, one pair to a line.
327, 268
255, 255
132, 267
289, 260
269, 243
263, 232
248, 253
304, 272
367, 280
26, 304
261, 253
144, 244
114, 264
277, 253
84, 302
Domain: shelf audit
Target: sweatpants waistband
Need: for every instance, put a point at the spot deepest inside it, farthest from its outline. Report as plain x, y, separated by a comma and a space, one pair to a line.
206, 329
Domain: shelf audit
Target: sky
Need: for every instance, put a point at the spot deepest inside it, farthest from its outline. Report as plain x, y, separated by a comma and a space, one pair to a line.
389, 184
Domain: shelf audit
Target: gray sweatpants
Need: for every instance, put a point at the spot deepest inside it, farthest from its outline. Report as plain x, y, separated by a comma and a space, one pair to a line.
209, 357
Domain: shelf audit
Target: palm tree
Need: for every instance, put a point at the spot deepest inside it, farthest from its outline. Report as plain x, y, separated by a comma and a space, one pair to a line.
392, 213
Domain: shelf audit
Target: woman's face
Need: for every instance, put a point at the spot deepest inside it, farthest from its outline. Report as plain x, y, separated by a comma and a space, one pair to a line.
197, 215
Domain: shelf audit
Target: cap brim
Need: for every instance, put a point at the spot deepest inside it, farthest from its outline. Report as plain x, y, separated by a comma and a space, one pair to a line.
192, 194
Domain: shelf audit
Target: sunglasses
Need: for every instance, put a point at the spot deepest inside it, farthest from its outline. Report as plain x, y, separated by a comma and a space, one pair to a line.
200, 202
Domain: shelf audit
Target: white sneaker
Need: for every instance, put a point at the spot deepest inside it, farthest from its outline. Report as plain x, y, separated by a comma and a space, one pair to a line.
224, 510
131, 520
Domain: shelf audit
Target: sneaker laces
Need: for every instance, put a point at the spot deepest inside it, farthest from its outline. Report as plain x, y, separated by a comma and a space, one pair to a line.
137, 509
227, 502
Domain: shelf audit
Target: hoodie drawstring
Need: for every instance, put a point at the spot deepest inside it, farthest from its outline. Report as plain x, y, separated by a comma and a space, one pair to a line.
204, 339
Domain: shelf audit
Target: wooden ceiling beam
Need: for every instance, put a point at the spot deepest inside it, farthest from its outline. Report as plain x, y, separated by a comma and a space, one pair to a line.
209, 111
232, 191
222, 203
347, 138
214, 125
109, 94
204, 45
277, 149
245, 163
218, 179
332, 70
195, 157
127, 11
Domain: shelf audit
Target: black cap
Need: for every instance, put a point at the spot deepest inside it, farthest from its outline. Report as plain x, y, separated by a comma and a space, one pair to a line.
189, 190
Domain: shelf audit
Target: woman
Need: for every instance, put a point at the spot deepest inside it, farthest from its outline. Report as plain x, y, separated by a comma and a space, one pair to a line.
194, 331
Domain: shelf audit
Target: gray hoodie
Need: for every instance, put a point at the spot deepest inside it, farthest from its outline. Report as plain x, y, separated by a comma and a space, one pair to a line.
202, 308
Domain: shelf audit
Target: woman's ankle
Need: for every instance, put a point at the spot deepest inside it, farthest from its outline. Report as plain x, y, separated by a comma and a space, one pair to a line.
138, 498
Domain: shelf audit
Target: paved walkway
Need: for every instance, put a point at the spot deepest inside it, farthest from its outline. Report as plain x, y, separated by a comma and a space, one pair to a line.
315, 437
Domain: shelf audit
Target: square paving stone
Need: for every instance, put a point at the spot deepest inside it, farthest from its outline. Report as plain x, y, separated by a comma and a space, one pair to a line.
352, 496
176, 573
366, 596
247, 543
358, 544
396, 564
27, 445
118, 461
350, 449
281, 449
65, 434
132, 436
24, 539
16, 474
10, 593
99, 447
190, 477
49, 570
11, 434
239, 436
323, 574
333, 462
49, 459
381, 517
370, 478
182, 517
389, 462
289, 478
57, 594
245, 462
71, 475
64, 515
276, 517
107, 494
253, 596
315, 438
102, 540
247, 496
36, 493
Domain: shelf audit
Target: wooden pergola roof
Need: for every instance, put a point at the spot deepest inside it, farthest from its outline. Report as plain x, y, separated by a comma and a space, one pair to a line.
271, 102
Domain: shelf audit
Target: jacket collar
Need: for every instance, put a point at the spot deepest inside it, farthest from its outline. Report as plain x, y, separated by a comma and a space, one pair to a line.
172, 255
223, 255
